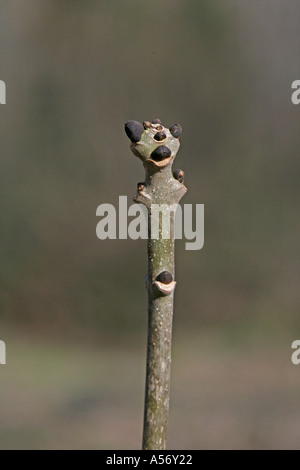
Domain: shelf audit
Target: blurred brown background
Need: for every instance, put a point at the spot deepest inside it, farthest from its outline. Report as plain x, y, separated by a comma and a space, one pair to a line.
73, 308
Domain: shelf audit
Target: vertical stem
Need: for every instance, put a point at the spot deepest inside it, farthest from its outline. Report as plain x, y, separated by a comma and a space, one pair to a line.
157, 145
160, 316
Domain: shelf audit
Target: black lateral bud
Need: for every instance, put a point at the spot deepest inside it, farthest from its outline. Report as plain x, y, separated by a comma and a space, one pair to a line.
134, 130
179, 175
160, 136
176, 130
160, 153
165, 277
156, 121
141, 186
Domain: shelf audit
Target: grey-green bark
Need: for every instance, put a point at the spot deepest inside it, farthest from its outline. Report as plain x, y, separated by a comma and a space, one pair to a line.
159, 188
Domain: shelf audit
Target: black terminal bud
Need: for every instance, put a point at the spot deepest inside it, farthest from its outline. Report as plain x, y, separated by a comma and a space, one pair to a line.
160, 136
176, 130
160, 153
156, 121
179, 175
134, 130
165, 277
